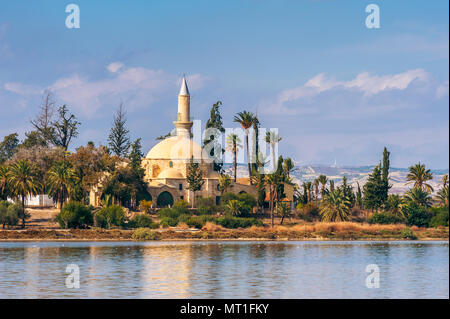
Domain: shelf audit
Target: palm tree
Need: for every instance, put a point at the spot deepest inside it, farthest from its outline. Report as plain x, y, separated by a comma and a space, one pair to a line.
273, 181
288, 167
443, 196
61, 181
23, 182
323, 180
316, 186
3, 182
233, 145
420, 175
273, 138
309, 190
234, 207
224, 183
336, 206
445, 180
419, 196
394, 203
245, 118
283, 210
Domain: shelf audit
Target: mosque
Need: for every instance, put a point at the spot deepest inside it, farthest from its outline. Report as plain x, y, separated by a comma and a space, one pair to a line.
167, 162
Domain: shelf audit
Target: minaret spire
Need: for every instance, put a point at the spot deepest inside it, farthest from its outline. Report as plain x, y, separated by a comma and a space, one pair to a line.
183, 122
184, 88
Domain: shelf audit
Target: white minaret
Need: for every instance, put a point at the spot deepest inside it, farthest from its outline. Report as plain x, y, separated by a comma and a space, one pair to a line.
183, 122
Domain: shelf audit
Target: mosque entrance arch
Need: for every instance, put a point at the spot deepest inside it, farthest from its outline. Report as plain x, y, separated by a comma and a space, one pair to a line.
164, 199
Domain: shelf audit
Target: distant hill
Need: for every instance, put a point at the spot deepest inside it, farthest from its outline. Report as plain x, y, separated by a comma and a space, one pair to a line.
397, 176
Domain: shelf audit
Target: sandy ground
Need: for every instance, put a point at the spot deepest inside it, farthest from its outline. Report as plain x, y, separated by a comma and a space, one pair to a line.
42, 218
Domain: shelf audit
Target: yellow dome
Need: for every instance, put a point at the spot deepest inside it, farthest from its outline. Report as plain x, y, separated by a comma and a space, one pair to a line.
177, 148
170, 173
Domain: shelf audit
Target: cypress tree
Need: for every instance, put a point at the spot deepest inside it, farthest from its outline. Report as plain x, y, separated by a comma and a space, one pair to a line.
194, 178
215, 121
374, 190
119, 140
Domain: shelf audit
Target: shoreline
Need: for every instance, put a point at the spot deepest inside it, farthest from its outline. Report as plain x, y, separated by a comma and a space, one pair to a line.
329, 233
224, 239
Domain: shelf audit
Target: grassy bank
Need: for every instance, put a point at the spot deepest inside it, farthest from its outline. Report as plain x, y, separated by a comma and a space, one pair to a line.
310, 231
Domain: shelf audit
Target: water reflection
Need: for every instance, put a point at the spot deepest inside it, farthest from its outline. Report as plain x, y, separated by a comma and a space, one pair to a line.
225, 269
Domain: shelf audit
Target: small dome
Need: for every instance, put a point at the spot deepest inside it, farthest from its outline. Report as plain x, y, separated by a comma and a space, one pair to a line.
170, 173
178, 148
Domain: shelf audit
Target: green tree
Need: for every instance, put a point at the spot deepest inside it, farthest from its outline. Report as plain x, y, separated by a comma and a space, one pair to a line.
135, 157
8, 147
394, 203
224, 183
359, 197
22, 182
374, 190
385, 173
3, 182
419, 175
442, 195
323, 181
335, 207
61, 182
194, 178
288, 167
233, 145
119, 140
245, 119
215, 122
418, 196
233, 207
283, 210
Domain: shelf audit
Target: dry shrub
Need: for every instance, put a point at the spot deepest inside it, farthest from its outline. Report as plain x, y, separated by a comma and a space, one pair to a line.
212, 227
303, 228
182, 225
415, 228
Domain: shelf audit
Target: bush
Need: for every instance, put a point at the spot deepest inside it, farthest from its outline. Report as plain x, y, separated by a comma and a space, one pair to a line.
145, 205
75, 215
309, 211
143, 221
172, 212
206, 205
168, 222
407, 233
238, 222
145, 234
416, 215
226, 197
9, 213
107, 217
385, 218
181, 207
440, 217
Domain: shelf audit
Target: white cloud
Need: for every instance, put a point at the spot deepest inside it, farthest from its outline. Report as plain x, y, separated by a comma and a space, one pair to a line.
136, 87
364, 83
115, 66
21, 89
442, 90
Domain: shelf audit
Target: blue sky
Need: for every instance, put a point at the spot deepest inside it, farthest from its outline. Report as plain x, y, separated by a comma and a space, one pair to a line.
333, 88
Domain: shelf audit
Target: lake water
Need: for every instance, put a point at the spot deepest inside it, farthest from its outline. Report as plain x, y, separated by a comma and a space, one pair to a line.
224, 269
